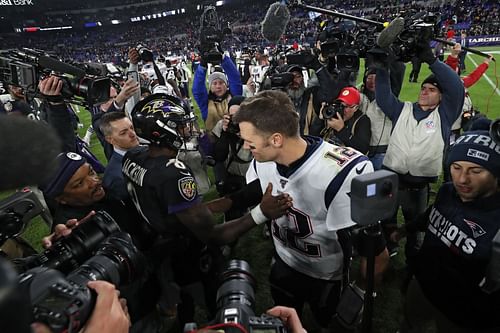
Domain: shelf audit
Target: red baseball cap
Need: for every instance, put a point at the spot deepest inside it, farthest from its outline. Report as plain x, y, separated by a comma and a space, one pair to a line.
349, 95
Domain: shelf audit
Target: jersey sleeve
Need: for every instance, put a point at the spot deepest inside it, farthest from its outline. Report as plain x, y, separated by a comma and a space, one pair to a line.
179, 189
338, 193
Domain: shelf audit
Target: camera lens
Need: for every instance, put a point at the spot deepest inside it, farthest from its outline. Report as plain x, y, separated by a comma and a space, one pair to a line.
236, 295
66, 254
117, 261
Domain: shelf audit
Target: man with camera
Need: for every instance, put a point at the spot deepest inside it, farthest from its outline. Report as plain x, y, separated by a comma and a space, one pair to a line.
421, 131
231, 158
165, 194
456, 284
313, 240
213, 103
345, 123
110, 313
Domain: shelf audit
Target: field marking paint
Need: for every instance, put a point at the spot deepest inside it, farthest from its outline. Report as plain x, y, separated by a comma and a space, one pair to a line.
485, 75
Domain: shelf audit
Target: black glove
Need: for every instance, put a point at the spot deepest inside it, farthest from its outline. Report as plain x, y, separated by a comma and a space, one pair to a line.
378, 58
424, 52
312, 61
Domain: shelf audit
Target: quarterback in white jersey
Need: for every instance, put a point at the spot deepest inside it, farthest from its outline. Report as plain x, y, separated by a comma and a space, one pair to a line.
312, 241
306, 238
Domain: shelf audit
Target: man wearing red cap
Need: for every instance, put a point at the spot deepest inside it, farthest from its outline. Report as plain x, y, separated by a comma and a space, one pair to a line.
348, 127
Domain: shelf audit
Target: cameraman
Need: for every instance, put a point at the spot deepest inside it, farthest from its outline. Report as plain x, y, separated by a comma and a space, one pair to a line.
213, 104
348, 126
231, 158
420, 133
110, 314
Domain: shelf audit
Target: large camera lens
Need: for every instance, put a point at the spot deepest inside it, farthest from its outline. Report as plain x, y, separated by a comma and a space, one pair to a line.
236, 295
93, 90
65, 304
67, 253
117, 261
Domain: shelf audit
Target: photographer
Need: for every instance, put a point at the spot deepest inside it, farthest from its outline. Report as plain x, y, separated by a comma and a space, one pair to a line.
110, 313
456, 285
347, 126
420, 133
231, 158
213, 104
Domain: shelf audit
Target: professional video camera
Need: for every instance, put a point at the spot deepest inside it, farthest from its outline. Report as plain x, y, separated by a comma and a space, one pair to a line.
26, 67
211, 35
419, 28
66, 303
69, 252
236, 303
330, 110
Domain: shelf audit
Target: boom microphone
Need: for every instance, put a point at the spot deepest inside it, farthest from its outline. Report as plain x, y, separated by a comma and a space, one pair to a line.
58, 66
389, 34
274, 24
29, 149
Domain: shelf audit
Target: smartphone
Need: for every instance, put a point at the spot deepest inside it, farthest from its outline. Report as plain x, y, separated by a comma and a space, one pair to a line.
133, 75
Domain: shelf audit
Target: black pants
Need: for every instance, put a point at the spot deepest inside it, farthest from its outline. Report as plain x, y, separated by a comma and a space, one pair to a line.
293, 289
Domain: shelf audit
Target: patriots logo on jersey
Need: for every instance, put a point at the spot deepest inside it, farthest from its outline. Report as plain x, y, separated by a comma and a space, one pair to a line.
477, 230
187, 188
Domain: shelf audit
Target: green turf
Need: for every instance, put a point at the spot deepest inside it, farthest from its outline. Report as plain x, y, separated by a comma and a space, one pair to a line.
257, 250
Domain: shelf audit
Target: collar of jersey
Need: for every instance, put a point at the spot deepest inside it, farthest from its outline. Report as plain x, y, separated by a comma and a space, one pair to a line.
313, 143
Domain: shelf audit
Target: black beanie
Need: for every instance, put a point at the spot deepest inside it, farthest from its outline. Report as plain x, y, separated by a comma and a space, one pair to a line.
432, 80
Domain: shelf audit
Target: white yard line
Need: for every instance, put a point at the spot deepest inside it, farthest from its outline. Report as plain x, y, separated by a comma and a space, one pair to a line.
492, 84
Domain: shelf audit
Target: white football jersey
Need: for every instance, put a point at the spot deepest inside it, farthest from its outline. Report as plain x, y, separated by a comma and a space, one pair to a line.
258, 72
306, 238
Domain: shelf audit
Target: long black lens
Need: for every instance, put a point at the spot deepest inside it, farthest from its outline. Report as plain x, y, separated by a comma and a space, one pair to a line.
236, 292
117, 261
69, 252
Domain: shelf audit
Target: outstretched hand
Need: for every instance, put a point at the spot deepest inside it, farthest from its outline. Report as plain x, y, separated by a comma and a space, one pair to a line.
63, 230
275, 206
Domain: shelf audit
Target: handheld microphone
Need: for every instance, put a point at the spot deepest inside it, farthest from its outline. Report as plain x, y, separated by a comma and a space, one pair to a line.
30, 149
389, 34
274, 24
58, 66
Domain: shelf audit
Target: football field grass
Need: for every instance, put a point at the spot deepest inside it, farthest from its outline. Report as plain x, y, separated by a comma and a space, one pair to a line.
257, 250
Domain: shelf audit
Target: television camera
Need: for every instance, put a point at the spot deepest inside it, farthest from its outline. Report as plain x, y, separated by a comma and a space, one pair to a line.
211, 35
83, 83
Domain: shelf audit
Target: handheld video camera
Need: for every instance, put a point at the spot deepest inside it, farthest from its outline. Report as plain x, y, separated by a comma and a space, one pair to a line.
418, 28
211, 35
25, 68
